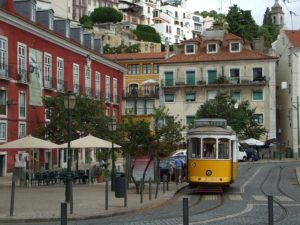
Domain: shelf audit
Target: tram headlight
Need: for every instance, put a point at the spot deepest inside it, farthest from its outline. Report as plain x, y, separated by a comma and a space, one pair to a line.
208, 172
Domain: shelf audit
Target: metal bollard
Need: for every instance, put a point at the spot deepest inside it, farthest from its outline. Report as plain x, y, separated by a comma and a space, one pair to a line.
71, 198
150, 191
270, 210
168, 184
125, 198
164, 182
185, 211
63, 213
156, 191
141, 191
12, 197
106, 194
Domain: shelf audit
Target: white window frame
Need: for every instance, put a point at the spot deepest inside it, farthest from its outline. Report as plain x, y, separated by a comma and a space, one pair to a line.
22, 103
263, 117
115, 90
147, 68
210, 94
22, 129
4, 103
212, 52
187, 52
260, 100
47, 120
239, 46
33, 12
60, 74
47, 70
76, 70
256, 67
3, 56
22, 61
98, 84
3, 130
88, 80
107, 88
51, 21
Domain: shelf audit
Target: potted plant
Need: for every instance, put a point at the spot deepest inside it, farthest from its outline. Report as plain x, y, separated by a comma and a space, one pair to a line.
99, 174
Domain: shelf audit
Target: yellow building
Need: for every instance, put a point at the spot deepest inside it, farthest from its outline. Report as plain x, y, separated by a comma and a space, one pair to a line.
141, 82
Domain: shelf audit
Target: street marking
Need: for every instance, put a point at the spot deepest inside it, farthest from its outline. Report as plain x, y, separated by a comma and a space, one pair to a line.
235, 197
248, 209
259, 197
210, 197
283, 198
242, 189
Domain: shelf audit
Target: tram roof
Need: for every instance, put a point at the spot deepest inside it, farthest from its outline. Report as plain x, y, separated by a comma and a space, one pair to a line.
212, 130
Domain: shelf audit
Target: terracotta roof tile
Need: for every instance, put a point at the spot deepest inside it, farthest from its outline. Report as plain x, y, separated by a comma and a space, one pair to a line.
135, 56
294, 37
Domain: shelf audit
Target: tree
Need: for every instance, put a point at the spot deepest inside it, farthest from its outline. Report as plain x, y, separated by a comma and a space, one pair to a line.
268, 29
147, 33
241, 23
241, 119
86, 22
106, 14
88, 117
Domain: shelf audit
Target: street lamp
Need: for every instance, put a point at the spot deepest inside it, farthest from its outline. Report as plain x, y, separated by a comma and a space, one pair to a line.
112, 126
69, 103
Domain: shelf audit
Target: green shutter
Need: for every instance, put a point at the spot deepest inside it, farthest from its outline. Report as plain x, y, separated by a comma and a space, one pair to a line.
257, 95
190, 78
212, 76
169, 80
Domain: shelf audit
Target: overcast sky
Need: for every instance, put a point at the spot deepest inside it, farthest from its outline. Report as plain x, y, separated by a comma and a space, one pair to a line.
258, 8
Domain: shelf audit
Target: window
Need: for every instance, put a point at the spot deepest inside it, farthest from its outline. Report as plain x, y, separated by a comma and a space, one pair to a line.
189, 49
107, 88
235, 47
146, 69
47, 70
155, 68
76, 78
212, 76
115, 90
212, 48
60, 74
257, 74
190, 121
169, 80
169, 97
2, 102
22, 62
133, 69
259, 118
3, 58
198, 27
211, 95
234, 75
88, 90
98, 85
257, 95
190, 78
168, 29
236, 95
190, 97
22, 105
22, 129
3, 130
149, 107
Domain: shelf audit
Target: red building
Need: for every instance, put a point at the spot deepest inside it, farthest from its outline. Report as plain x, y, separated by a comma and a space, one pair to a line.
40, 56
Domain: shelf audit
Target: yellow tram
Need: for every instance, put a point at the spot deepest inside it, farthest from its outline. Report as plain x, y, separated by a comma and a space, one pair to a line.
212, 153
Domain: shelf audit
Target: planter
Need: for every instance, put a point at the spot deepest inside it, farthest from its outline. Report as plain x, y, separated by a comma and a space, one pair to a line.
100, 178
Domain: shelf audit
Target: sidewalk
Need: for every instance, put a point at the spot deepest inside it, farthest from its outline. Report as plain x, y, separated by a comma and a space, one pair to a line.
42, 203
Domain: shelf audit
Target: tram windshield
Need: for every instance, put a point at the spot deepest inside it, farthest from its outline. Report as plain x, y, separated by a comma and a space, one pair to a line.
209, 148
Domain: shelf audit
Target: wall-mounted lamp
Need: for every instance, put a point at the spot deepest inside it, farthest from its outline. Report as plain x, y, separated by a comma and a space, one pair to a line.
9, 102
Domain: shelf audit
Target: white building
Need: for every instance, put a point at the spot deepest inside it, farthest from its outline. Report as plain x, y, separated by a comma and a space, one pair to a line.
287, 48
61, 8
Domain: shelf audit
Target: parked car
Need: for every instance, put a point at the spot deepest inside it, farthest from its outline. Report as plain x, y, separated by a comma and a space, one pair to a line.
242, 155
180, 152
252, 154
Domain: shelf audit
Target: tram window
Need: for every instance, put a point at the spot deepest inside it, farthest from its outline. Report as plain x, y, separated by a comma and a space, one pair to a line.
223, 152
195, 147
209, 148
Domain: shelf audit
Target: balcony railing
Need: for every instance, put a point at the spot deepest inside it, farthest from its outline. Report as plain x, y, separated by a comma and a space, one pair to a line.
23, 76
221, 80
141, 94
4, 71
